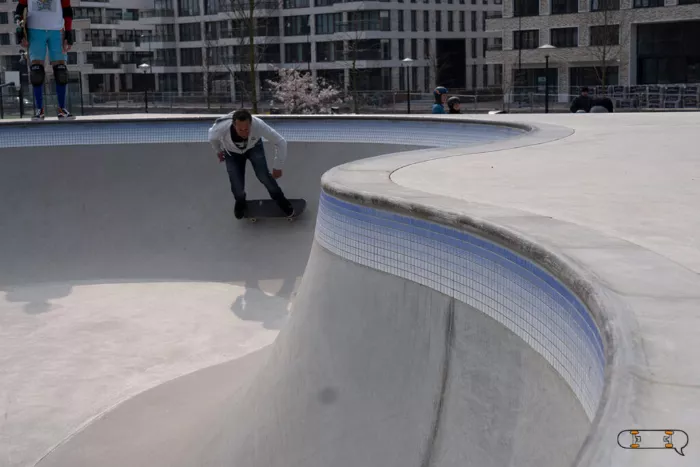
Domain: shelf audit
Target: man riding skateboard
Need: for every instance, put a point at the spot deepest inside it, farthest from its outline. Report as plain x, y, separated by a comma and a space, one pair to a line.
237, 138
49, 25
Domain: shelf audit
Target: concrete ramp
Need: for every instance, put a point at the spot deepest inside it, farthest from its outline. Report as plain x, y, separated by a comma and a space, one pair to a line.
372, 370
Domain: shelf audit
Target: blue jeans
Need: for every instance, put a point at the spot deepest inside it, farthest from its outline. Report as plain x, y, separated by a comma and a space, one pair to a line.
235, 165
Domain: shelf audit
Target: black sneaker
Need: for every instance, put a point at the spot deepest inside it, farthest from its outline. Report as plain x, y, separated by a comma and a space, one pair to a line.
39, 115
239, 209
287, 208
64, 113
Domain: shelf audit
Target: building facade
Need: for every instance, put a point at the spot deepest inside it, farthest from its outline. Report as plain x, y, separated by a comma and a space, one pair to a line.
598, 43
193, 46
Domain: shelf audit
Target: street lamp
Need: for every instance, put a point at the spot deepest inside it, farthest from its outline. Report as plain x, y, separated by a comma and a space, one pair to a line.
145, 67
408, 62
546, 76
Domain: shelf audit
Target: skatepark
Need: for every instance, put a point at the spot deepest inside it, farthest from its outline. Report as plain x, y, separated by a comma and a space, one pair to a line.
480, 290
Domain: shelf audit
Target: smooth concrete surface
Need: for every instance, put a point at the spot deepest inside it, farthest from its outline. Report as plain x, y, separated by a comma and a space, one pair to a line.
631, 176
400, 376
645, 303
623, 263
122, 267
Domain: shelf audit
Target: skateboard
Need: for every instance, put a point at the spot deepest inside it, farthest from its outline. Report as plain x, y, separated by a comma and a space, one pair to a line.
268, 209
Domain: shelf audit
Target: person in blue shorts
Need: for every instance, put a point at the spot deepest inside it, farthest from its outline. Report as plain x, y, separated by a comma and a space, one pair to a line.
49, 26
440, 95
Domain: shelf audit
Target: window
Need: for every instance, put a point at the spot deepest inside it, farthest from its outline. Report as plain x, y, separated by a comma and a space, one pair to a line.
483, 21
297, 53
450, 21
296, 25
414, 21
438, 20
605, 5
426, 49
564, 37
473, 48
402, 50
414, 48
3, 18
498, 74
461, 21
562, 7
426, 21
526, 8
473, 20
4, 39
648, 3
485, 77
289, 4
188, 7
190, 32
608, 34
484, 46
398, 12
369, 20
191, 57
528, 39
329, 51
328, 23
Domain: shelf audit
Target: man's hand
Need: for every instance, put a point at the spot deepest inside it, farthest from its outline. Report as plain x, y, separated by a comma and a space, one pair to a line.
67, 41
221, 155
24, 43
276, 173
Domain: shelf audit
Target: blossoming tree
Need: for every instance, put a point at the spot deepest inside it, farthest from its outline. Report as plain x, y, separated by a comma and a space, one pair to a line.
299, 93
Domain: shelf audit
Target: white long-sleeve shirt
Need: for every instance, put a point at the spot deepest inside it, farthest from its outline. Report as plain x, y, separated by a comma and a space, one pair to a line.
220, 138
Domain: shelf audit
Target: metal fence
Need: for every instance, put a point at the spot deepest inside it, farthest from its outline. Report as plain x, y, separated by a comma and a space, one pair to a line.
526, 100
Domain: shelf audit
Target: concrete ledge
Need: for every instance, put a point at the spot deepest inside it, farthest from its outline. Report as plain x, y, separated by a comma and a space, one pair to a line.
641, 354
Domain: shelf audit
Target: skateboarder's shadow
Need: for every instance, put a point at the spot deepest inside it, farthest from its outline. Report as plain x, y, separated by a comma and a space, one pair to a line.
272, 311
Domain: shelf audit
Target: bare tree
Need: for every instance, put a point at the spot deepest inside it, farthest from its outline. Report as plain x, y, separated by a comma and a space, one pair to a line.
437, 67
358, 48
509, 79
608, 39
253, 23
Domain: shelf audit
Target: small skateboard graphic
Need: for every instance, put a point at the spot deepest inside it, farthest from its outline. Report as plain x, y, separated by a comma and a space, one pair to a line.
668, 439
268, 209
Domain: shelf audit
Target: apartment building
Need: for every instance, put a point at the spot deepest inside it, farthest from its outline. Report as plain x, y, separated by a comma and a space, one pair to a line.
598, 42
187, 46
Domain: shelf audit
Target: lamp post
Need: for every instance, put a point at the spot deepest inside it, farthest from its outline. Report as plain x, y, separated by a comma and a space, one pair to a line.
145, 67
546, 76
408, 62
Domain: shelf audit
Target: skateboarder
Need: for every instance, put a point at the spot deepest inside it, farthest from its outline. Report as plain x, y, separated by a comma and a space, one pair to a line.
49, 24
237, 138
440, 94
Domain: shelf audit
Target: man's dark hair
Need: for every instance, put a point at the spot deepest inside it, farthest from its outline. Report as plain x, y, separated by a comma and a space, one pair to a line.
584, 89
242, 115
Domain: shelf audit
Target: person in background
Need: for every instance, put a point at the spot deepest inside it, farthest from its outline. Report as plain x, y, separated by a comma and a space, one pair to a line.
49, 25
453, 104
440, 95
582, 102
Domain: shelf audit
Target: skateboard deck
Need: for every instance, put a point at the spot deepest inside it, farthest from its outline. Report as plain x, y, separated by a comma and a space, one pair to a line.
268, 209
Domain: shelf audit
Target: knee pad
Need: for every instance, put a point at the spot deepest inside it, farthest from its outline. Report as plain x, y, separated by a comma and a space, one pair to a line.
36, 74
60, 73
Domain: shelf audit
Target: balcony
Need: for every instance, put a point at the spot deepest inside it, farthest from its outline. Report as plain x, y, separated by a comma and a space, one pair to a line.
104, 42
105, 65
494, 14
162, 15
494, 47
363, 26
